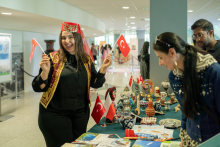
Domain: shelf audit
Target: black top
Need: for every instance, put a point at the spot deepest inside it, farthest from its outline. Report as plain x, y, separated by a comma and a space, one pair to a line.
71, 91
215, 51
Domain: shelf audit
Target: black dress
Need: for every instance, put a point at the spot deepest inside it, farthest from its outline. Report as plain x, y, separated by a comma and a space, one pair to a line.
67, 115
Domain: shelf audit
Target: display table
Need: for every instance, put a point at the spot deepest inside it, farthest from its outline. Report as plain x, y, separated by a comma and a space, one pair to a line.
116, 128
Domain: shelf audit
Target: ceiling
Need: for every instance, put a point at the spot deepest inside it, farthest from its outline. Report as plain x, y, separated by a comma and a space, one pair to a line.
117, 19
110, 12
24, 21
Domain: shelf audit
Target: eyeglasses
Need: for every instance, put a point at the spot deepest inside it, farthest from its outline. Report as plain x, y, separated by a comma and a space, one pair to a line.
198, 35
157, 39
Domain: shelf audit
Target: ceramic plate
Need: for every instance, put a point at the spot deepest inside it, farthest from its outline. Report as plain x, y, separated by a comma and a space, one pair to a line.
146, 83
170, 123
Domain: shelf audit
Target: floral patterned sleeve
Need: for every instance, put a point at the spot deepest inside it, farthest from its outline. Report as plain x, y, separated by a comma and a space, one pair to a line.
187, 141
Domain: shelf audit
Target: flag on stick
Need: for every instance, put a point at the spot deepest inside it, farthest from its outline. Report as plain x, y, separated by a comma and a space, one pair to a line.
130, 81
109, 109
122, 44
34, 44
98, 110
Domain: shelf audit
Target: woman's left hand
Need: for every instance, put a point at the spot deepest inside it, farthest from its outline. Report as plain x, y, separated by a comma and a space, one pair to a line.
106, 63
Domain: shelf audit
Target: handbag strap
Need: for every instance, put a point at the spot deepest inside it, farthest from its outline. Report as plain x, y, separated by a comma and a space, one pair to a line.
210, 113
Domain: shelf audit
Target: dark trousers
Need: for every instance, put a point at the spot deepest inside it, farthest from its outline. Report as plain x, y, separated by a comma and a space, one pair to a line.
59, 127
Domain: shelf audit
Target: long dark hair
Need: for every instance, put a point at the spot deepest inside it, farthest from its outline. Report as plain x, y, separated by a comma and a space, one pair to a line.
79, 50
191, 82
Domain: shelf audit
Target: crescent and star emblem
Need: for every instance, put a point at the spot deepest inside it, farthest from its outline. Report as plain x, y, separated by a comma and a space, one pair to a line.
100, 105
122, 41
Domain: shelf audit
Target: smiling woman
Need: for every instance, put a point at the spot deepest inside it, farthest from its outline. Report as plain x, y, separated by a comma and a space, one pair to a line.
65, 78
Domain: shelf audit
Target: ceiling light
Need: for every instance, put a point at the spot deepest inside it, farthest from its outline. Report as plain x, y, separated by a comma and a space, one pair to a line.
218, 19
82, 28
125, 7
132, 17
132, 22
7, 13
190, 10
147, 19
94, 34
134, 27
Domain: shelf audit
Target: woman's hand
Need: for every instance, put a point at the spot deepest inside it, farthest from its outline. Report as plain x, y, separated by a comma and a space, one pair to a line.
45, 63
181, 144
106, 63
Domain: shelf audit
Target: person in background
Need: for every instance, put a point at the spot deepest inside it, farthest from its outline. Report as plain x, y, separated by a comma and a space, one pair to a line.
195, 80
105, 51
203, 34
144, 61
94, 51
65, 78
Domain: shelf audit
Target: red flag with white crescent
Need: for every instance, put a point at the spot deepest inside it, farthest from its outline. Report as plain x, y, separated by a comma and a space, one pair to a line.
122, 44
98, 110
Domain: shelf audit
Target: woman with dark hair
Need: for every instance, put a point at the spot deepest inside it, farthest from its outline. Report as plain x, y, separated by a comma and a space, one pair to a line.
195, 80
65, 77
144, 61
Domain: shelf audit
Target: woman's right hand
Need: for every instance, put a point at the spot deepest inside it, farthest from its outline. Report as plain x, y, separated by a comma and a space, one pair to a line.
45, 63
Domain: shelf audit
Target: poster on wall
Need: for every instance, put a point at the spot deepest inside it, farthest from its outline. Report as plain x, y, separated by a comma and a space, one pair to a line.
134, 49
5, 57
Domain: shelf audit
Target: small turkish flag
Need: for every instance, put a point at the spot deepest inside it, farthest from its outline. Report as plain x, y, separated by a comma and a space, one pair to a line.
125, 49
98, 110
34, 44
141, 79
130, 81
138, 81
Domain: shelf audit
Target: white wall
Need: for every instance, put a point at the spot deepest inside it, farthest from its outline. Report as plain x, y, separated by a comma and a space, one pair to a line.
33, 67
16, 40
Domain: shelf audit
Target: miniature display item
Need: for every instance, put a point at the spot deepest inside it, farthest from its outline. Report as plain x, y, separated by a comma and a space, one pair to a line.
158, 98
165, 84
163, 101
142, 96
138, 105
157, 105
149, 97
157, 91
135, 88
148, 120
161, 112
128, 123
163, 94
125, 108
150, 110
177, 108
148, 87
170, 101
170, 123
127, 93
143, 105
167, 106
